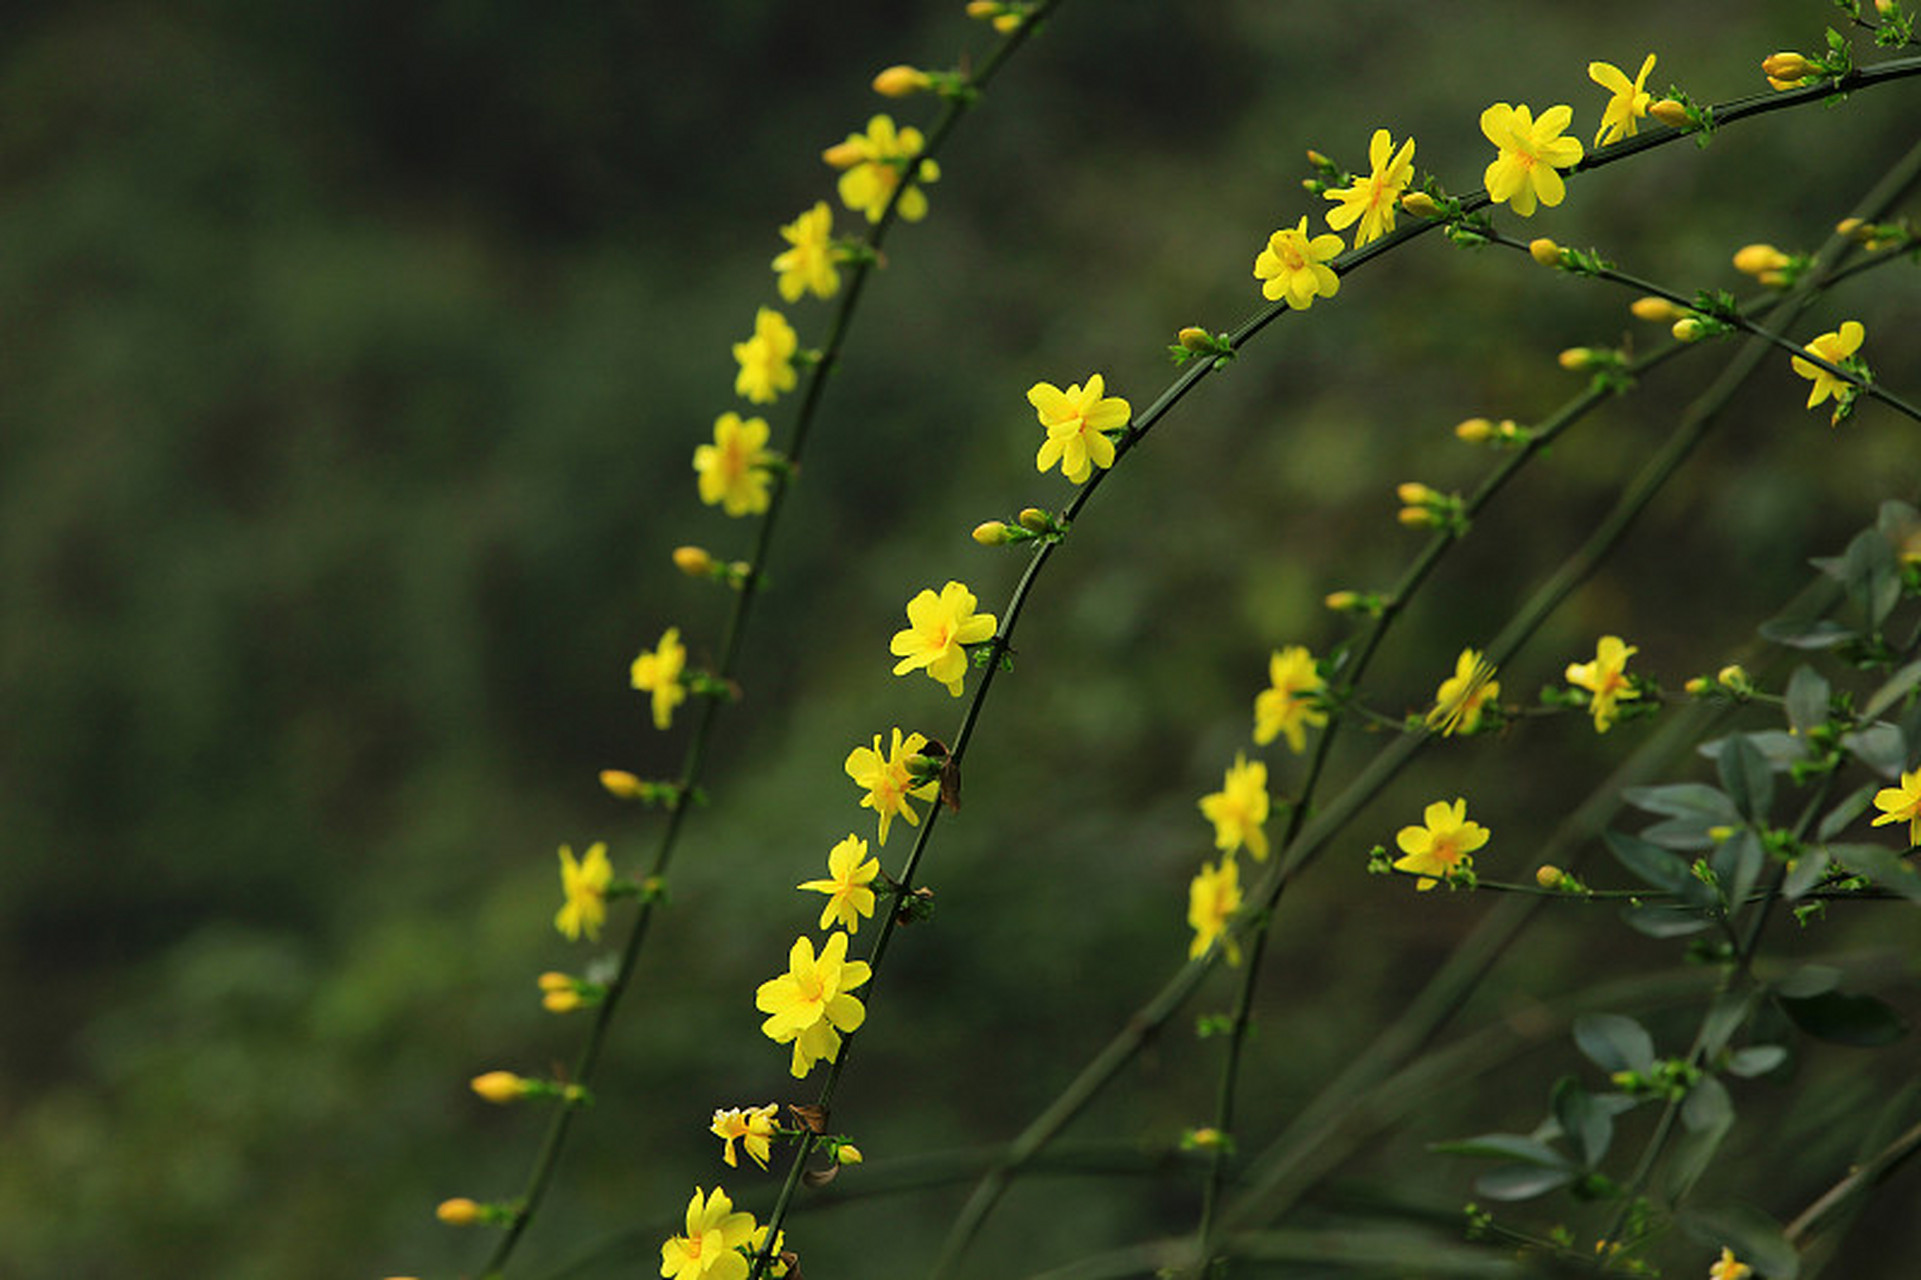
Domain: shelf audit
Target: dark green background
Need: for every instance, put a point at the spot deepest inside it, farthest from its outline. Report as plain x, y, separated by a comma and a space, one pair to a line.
351, 359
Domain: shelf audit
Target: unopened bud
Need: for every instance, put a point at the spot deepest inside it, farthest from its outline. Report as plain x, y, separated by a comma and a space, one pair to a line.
982, 8
1195, 339
1575, 359
458, 1212
1545, 252
1007, 22
1735, 677
1414, 493
848, 1153
1698, 686
1548, 876
1475, 430
500, 1086
1787, 66
1658, 310
843, 155
992, 533
1420, 204
622, 785
900, 81
1859, 230
1669, 112
1688, 329
695, 562
1034, 520
1342, 601
1418, 517
1318, 160
1758, 259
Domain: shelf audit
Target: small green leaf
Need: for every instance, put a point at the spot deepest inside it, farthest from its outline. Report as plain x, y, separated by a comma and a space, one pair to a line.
1879, 746
1783, 750
1756, 1060
1852, 806
1807, 633
1892, 690
1588, 1126
1809, 980
1521, 1181
1685, 800
1862, 1022
1658, 867
1504, 1146
1745, 777
1809, 869
1663, 922
1807, 699
1737, 865
1614, 1042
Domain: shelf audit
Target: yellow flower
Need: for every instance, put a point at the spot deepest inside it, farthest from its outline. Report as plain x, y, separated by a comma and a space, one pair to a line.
1239, 808
1729, 1267
1902, 802
1532, 154
767, 358
872, 164
1077, 421
1441, 846
938, 628
1372, 200
1287, 705
1458, 702
753, 1128
1212, 899
1292, 266
1834, 348
848, 897
781, 1261
1629, 103
809, 1004
889, 779
709, 1250
658, 672
584, 885
1605, 679
808, 265
732, 469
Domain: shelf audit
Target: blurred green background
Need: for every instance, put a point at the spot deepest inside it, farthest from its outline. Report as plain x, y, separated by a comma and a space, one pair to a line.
351, 360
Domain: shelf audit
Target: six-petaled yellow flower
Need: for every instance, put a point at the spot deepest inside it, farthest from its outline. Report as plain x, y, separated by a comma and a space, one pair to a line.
872, 164
849, 872
1213, 897
1606, 680
710, 1249
1622, 116
1293, 266
767, 358
1077, 421
732, 469
1373, 200
1902, 804
1834, 348
1289, 705
657, 672
809, 1005
807, 265
1441, 845
1729, 1267
1532, 154
1461, 697
889, 779
938, 629
1239, 808
583, 885
752, 1127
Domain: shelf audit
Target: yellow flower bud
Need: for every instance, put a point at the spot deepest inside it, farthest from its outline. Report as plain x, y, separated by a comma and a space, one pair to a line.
1548, 876
1659, 310
1669, 112
1420, 204
1417, 517
1414, 493
1733, 673
1342, 601
1206, 1139
1788, 66
1698, 686
1034, 520
842, 155
561, 1001
848, 1153
1688, 329
1758, 259
1316, 159
982, 8
458, 1212
900, 81
1884, 7
1544, 251
1475, 430
695, 562
1007, 22
1195, 339
500, 1086
992, 533
1575, 359
622, 785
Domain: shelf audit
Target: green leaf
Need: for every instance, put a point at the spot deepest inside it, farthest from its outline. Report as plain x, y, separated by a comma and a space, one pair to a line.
1685, 800
1882, 865
1707, 1113
1852, 806
1809, 980
1869, 572
1745, 777
1893, 690
1658, 867
1807, 699
1737, 865
1783, 750
1755, 1238
1589, 1127
1657, 921
1807, 633
1756, 1060
1862, 1022
1879, 746
1725, 1016
1809, 869
1504, 1146
1614, 1042
1521, 1181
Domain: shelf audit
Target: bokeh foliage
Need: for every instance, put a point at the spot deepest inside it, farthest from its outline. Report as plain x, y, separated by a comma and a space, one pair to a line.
353, 358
